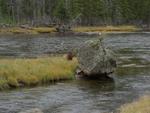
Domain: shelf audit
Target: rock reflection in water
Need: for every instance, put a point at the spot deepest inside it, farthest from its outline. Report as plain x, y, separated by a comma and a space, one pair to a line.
96, 85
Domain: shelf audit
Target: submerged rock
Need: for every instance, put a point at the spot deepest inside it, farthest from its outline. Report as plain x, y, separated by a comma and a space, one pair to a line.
95, 60
36, 110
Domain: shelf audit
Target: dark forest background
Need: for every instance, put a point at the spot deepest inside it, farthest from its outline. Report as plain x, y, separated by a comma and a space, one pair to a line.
91, 12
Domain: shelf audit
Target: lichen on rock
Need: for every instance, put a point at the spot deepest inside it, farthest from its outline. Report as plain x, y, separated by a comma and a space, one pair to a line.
95, 59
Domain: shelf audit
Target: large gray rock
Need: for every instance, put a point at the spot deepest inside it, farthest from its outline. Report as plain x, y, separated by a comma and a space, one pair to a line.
35, 110
95, 59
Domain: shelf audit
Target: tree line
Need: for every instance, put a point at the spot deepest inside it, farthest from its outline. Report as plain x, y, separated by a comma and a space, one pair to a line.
92, 12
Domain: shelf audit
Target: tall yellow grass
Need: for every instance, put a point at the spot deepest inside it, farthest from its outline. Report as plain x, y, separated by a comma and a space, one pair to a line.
44, 29
37, 30
29, 72
34, 30
140, 106
107, 29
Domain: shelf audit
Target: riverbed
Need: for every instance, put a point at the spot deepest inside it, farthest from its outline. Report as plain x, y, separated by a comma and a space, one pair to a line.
131, 80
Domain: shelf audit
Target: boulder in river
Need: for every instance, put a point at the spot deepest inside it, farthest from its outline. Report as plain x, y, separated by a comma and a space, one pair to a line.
95, 60
35, 110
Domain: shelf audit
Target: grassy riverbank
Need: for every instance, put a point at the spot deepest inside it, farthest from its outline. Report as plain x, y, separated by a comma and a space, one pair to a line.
108, 29
40, 30
33, 30
140, 106
31, 72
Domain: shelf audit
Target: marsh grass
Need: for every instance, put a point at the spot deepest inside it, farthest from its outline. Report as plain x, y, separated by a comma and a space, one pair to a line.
140, 106
44, 29
107, 29
17, 30
40, 30
31, 72
34, 30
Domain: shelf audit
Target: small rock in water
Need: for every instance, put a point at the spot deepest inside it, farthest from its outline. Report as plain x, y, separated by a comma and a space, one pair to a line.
95, 59
36, 110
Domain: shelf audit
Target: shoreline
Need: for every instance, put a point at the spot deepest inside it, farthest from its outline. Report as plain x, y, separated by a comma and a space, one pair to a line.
140, 105
76, 30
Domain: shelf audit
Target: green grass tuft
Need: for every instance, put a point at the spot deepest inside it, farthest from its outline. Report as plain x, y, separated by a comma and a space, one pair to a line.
30, 72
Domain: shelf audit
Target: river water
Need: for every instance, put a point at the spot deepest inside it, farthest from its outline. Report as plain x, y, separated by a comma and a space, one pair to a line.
131, 80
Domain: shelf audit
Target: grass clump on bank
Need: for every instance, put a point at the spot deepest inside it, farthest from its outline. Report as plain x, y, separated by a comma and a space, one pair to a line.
17, 30
140, 106
34, 30
107, 29
40, 30
30, 72
44, 29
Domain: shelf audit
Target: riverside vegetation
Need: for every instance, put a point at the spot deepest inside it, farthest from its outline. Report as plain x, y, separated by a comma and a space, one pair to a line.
39, 30
97, 12
30, 72
140, 106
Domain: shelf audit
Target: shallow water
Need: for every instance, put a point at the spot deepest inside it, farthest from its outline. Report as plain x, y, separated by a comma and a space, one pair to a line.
35, 45
132, 78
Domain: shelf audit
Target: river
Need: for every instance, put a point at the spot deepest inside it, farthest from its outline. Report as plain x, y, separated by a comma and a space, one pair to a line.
131, 79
